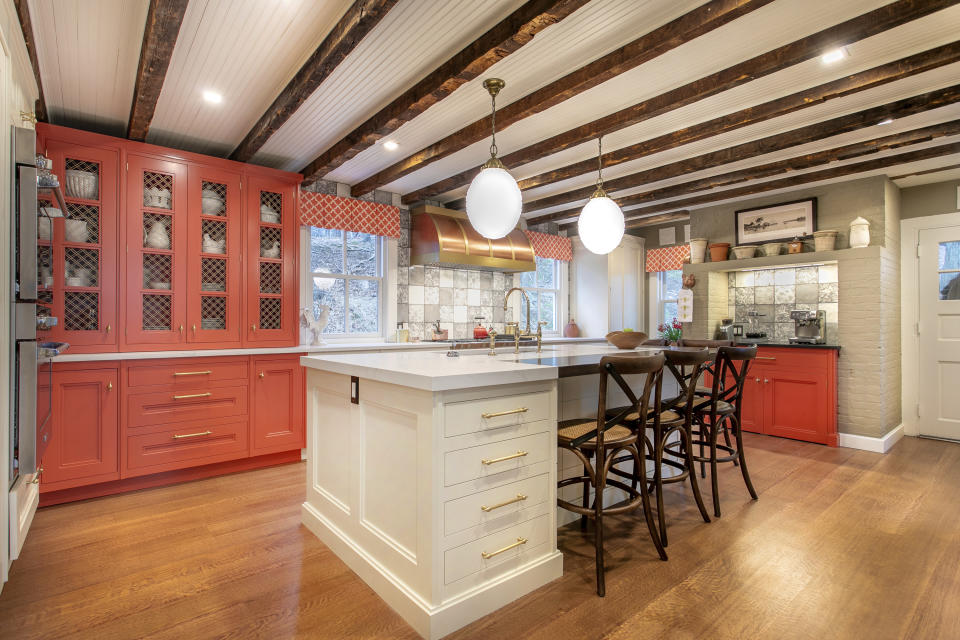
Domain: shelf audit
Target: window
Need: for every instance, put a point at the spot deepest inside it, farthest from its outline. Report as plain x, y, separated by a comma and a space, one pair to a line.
346, 274
948, 268
543, 286
669, 284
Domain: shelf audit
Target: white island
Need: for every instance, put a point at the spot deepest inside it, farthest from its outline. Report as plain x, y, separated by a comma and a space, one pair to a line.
435, 478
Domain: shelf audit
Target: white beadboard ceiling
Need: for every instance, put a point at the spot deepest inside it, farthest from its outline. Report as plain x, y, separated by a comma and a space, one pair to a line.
247, 50
88, 51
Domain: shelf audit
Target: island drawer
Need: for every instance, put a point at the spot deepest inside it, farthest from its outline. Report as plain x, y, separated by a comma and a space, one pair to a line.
487, 506
493, 413
185, 373
520, 541
174, 406
180, 446
462, 465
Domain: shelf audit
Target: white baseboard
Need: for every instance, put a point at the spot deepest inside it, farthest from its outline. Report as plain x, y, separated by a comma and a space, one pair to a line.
870, 443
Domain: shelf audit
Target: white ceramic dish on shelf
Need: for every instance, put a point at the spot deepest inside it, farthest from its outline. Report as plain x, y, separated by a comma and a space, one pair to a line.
269, 215
76, 281
211, 203
157, 198
211, 286
156, 284
76, 230
81, 184
743, 252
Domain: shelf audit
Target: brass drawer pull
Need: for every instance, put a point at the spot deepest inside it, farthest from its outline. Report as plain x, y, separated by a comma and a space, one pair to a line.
192, 373
765, 358
487, 416
193, 395
177, 436
520, 498
518, 454
487, 555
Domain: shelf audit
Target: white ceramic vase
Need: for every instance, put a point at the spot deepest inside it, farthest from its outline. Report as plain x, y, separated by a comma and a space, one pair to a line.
859, 233
698, 250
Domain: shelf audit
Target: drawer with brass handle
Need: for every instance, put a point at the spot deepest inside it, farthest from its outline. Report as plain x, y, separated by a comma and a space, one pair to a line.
462, 465
178, 446
470, 416
499, 551
500, 505
194, 372
164, 407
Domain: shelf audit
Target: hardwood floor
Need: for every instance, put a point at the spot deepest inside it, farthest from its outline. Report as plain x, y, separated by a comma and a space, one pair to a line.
841, 544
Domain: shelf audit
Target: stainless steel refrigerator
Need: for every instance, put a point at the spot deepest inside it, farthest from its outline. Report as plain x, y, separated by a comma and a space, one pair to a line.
30, 424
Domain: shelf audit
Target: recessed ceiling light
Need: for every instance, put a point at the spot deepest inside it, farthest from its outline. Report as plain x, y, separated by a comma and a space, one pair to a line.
834, 55
212, 97
390, 145
885, 121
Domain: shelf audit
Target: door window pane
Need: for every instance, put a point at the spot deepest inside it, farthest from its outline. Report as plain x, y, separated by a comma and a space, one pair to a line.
326, 250
949, 255
331, 292
950, 286
364, 312
361, 254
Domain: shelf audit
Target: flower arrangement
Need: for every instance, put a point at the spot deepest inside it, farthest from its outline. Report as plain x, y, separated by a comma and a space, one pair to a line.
671, 332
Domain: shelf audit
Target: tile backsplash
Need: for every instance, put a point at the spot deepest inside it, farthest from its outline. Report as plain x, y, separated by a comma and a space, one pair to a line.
777, 292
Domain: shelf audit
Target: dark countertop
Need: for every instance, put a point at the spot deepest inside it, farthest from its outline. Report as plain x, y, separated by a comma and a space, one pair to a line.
790, 345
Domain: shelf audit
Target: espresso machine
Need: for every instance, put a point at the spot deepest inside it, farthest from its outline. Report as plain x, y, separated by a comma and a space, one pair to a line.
809, 327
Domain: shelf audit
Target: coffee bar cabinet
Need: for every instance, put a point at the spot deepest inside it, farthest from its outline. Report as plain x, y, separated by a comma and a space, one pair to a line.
77, 253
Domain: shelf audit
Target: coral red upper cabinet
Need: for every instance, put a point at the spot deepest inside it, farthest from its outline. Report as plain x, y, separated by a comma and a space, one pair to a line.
278, 404
156, 248
77, 254
214, 248
271, 263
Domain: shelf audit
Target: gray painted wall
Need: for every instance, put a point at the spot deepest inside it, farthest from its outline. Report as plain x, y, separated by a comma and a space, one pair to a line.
929, 199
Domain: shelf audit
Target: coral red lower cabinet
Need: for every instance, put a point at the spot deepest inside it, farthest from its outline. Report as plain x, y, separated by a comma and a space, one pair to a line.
114, 422
792, 393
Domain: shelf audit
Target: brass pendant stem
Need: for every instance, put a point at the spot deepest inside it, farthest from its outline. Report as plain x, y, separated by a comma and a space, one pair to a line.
493, 87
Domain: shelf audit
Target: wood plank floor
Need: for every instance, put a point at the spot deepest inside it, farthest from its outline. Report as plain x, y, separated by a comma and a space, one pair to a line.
841, 544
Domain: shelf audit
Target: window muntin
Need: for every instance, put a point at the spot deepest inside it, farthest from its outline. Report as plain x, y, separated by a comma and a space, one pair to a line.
346, 273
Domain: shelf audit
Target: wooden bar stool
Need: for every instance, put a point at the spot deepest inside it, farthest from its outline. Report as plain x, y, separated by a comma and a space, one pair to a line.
597, 442
674, 417
721, 413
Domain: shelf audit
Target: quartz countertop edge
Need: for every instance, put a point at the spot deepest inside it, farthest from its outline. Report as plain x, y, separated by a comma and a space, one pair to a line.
789, 345
333, 347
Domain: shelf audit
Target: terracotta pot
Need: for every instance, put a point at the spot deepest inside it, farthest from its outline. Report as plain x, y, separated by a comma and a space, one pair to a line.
719, 251
571, 330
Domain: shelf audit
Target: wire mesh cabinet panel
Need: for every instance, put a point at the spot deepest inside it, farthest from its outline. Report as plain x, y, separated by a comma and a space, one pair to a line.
157, 252
214, 246
78, 252
271, 262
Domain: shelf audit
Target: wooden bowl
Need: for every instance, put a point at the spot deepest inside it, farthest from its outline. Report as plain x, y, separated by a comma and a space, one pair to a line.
626, 340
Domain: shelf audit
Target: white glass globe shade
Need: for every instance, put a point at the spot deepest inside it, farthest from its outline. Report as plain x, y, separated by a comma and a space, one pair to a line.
494, 203
600, 225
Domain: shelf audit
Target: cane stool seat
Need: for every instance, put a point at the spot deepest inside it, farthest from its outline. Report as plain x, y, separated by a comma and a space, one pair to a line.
572, 429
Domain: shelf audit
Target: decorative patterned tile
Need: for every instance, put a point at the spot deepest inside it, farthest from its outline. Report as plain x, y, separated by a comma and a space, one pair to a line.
431, 295
473, 279
732, 279
745, 278
742, 311
446, 313
763, 295
416, 313
446, 295
832, 312
473, 297
486, 298
499, 280
431, 276
460, 278
460, 297
403, 258
807, 275
416, 330
403, 294
486, 280
763, 278
462, 330
403, 276
416, 274
782, 313
783, 331
744, 295
460, 313
784, 277
828, 273
785, 294
808, 292
446, 277
828, 292
403, 313
416, 294
431, 313
498, 314
768, 310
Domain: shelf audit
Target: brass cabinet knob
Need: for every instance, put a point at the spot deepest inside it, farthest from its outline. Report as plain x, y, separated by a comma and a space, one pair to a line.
109, 328
194, 328
253, 327
262, 374
181, 328
36, 478
109, 386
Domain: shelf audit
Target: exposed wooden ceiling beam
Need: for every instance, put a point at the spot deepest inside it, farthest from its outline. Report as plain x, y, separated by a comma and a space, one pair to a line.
164, 18
754, 148
798, 163
661, 218
926, 171
501, 40
812, 46
26, 26
703, 19
356, 23
797, 180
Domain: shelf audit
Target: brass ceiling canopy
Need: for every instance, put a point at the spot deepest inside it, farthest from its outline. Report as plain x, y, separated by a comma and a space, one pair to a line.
445, 237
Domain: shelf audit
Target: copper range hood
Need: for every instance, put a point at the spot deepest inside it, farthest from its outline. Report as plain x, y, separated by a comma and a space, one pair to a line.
444, 237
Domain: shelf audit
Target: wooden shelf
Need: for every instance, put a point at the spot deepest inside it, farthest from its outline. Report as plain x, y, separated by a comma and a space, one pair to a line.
784, 260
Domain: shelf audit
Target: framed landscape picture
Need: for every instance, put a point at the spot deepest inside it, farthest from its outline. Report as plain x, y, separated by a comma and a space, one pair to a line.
775, 223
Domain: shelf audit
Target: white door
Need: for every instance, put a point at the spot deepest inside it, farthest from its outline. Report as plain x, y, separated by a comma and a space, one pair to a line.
939, 296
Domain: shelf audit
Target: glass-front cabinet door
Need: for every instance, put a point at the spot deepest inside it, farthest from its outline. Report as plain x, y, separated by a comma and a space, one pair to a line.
271, 262
157, 250
77, 261
214, 245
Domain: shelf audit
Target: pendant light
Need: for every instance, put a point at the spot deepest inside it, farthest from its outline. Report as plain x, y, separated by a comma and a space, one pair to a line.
600, 224
494, 202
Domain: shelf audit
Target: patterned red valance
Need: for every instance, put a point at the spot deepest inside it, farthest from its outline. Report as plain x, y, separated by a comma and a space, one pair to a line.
667, 258
546, 245
349, 214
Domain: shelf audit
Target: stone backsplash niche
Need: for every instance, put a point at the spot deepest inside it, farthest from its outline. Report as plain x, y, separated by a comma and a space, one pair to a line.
777, 292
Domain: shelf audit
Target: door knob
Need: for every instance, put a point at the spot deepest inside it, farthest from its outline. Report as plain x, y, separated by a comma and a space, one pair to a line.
261, 374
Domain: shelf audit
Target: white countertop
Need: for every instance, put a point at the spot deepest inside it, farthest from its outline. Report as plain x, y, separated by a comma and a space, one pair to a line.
330, 348
435, 371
